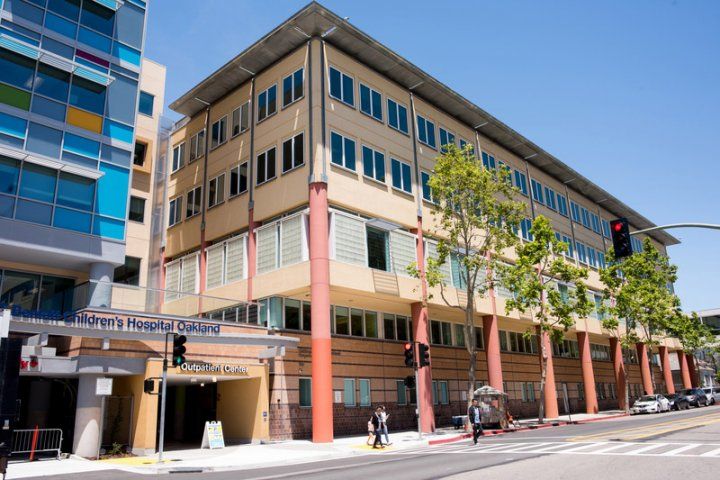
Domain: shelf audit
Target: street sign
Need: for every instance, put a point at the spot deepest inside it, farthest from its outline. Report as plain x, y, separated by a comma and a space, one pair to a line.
103, 387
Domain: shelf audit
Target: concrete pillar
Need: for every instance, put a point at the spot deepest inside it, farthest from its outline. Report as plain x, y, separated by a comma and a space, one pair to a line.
619, 369
591, 403
322, 394
684, 369
551, 405
100, 288
88, 418
420, 321
644, 368
667, 372
491, 337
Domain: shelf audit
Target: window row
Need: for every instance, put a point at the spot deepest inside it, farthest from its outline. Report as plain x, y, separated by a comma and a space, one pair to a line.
552, 199
599, 352
357, 392
35, 291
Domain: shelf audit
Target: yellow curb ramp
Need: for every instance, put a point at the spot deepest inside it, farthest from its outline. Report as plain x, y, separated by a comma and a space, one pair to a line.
370, 448
135, 461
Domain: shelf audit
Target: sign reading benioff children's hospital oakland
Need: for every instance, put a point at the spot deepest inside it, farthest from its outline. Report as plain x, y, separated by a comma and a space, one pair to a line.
109, 321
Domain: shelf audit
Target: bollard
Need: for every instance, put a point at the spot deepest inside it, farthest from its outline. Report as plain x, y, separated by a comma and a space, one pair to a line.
34, 443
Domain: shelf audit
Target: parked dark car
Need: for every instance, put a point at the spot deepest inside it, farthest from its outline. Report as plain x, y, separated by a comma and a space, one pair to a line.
678, 401
695, 396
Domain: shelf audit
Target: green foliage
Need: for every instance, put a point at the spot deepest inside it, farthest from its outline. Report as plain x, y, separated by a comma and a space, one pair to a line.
534, 278
690, 331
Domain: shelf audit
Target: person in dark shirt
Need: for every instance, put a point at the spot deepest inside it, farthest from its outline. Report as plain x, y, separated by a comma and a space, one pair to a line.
475, 419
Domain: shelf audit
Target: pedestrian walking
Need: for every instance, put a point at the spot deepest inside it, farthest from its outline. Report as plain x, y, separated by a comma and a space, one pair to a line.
384, 428
475, 419
376, 423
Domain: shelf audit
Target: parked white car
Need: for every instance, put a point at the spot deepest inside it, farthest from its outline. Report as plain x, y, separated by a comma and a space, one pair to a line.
650, 404
712, 394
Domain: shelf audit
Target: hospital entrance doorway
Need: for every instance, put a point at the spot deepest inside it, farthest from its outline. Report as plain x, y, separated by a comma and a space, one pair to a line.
189, 406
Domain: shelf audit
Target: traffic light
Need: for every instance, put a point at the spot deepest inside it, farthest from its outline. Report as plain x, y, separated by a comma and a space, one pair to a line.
620, 231
149, 385
409, 381
424, 354
409, 355
179, 349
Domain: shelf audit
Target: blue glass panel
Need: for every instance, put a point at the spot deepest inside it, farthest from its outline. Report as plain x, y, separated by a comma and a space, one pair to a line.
16, 33
129, 25
24, 10
145, 104
38, 182
380, 166
121, 99
116, 155
92, 65
112, 191
66, 8
350, 154
97, 17
11, 141
430, 133
407, 183
118, 131
402, 116
16, 69
109, 228
87, 95
12, 126
79, 160
52, 82
44, 140
76, 192
396, 175
377, 105
335, 88
365, 99
95, 40
348, 90
422, 132
336, 146
7, 205
367, 158
60, 25
81, 145
123, 52
72, 220
33, 212
392, 114
9, 172
48, 108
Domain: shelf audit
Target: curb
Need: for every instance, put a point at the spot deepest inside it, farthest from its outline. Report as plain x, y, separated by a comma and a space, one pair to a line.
487, 433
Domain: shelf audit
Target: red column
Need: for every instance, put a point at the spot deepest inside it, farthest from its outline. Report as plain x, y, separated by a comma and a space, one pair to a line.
644, 368
322, 395
667, 372
491, 337
551, 405
420, 334
619, 368
684, 370
692, 367
251, 255
591, 403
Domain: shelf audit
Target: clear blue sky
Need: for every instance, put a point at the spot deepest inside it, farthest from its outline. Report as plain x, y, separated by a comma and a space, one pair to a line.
628, 93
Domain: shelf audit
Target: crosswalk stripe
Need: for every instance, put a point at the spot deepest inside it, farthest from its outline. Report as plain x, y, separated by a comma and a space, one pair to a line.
711, 453
647, 448
685, 448
617, 446
523, 446
581, 447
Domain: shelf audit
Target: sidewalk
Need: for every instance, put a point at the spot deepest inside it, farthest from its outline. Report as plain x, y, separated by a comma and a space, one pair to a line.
243, 457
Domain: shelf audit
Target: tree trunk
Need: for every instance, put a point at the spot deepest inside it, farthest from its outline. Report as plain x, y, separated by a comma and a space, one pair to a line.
543, 375
472, 350
650, 364
626, 379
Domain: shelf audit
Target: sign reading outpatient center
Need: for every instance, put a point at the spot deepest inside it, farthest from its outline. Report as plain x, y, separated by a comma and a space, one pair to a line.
119, 323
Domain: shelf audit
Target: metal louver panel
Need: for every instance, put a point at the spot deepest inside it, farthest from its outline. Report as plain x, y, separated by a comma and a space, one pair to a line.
172, 280
350, 242
188, 281
235, 259
215, 260
402, 251
445, 267
291, 241
267, 248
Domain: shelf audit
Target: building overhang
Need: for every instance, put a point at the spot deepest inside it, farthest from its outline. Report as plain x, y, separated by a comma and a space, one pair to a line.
314, 20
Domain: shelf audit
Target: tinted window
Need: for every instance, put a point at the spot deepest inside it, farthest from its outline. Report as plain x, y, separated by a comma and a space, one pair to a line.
9, 172
48, 108
66, 8
129, 273
121, 99
97, 17
44, 140
52, 82
16, 69
19, 289
129, 25
88, 95
145, 104
75, 192
56, 293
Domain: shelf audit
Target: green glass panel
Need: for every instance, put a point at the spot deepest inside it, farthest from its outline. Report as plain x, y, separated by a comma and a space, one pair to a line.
14, 97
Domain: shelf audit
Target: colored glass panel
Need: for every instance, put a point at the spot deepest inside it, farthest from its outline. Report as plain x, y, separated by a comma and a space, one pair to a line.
72, 220
118, 131
12, 126
44, 140
38, 182
81, 145
9, 174
48, 108
60, 25
109, 228
127, 54
110, 187
75, 192
85, 120
14, 97
33, 212
94, 40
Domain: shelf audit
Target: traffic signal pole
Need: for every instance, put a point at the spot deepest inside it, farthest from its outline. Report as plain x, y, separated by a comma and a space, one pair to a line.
417, 393
161, 439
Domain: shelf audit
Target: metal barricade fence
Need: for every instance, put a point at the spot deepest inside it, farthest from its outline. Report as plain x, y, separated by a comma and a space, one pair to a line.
34, 440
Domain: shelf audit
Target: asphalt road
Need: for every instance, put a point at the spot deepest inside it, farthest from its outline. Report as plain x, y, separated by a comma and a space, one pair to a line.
674, 445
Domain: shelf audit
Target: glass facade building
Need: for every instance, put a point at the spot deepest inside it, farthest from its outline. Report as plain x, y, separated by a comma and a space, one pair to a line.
69, 74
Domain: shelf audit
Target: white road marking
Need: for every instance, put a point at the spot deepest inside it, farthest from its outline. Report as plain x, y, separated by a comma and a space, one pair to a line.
711, 453
684, 448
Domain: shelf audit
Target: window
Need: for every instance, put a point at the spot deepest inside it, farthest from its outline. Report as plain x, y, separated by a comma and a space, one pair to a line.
488, 161
599, 352
401, 392
292, 314
525, 229
292, 87
550, 199
293, 152
371, 102
349, 392
178, 158
459, 335
585, 217
605, 228
265, 166
636, 244
342, 87
343, 151
197, 145
377, 249
373, 164
426, 190
238, 179
562, 205
175, 211
575, 211
397, 116
440, 333
145, 103
216, 190
395, 327
137, 209
267, 103
426, 131
582, 252
401, 176
371, 326
192, 206
601, 260
595, 222
356, 322
592, 257
241, 119
87, 95
364, 392
218, 132
128, 273
139, 153
305, 387
537, 193
521, 182
528, 391
342, 320
446, 138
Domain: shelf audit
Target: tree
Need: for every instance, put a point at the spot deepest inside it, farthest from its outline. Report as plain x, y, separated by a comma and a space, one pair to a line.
474, 210
547, 287
638, 289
